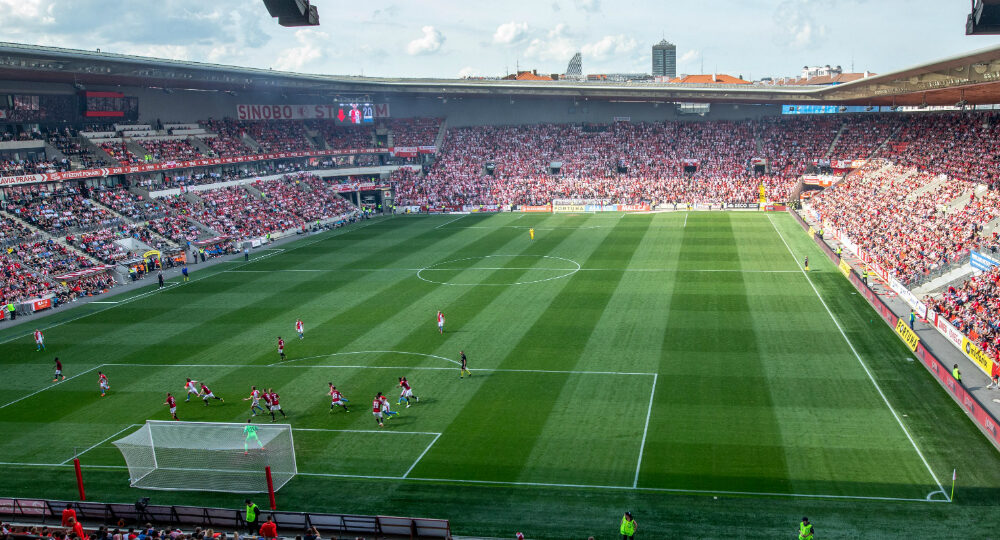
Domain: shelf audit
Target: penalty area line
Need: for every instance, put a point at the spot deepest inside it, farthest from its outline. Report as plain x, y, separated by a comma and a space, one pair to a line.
860, 361
130, 426
53, 385
415, 368
421, 456
645, 429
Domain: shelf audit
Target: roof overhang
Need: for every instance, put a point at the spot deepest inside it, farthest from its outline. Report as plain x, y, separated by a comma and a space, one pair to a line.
974, 77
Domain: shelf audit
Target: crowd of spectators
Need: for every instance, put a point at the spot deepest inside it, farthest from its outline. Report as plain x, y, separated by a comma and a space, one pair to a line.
119, 152
128, 204
912, 233
170, 149
341, 137
308, 197
974, 308
16, 166
103, 244
663, 162
12, 231
65, 140
49, 257
413, 131
63, 210
234, 211
229, 140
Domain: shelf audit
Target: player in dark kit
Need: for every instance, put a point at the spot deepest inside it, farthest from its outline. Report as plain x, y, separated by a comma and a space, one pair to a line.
465, 366
58, 374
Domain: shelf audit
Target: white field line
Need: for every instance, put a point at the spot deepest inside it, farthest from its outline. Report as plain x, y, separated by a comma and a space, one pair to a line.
450, 221
686, 219
551, 485
686, 270
130, 426
347, 353
435, 433
860, 361
102, 302
421, 456
645, 429
169, 284
36, 392
420, 368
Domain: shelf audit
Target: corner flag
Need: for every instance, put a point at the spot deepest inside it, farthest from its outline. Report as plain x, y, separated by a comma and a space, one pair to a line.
954, 476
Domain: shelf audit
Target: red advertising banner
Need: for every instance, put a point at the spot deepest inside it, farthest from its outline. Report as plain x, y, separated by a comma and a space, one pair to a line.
207, 162
44, 303
642, 207
530, 208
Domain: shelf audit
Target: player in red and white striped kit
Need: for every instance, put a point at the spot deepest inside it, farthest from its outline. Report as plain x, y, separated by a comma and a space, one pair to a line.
440, 319
191, 386
300, 328
281, 348
337, 399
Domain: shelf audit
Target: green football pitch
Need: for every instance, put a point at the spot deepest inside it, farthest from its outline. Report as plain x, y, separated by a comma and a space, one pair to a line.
684, 367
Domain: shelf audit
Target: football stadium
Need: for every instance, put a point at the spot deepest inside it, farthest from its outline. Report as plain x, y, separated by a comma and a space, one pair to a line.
248, 302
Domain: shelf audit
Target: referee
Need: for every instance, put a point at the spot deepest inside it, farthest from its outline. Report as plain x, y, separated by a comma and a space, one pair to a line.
465, 366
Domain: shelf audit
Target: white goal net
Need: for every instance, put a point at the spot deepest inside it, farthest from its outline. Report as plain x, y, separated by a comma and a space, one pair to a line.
208, 456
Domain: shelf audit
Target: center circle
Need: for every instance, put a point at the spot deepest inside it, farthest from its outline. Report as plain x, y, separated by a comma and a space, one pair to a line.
566, 268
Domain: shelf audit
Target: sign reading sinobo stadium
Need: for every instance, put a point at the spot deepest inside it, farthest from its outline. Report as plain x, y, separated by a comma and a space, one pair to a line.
345, 113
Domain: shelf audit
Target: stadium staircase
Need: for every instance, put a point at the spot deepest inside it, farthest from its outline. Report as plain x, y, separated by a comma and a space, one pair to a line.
833, 143
963, 199
930, 186
54, 153
29, 226
442, 131
201, 146
957, 272
137, 149
96, 151
251, 143
254, 192
315, 139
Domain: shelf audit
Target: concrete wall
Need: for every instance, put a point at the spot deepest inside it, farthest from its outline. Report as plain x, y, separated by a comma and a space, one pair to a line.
189, 106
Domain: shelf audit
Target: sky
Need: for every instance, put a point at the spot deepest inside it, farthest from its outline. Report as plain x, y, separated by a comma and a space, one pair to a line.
456, 38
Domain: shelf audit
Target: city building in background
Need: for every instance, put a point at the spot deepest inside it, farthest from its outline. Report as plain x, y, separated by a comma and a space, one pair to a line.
575, 68
665, 59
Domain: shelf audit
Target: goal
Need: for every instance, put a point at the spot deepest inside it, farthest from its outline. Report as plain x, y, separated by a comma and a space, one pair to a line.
208, 456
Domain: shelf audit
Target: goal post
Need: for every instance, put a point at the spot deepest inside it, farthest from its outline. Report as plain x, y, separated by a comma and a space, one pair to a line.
208, 456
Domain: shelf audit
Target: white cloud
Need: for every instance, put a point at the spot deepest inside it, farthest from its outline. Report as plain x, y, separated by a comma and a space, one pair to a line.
173, 52
795, 25
21, 9
429, 43
510, 33
689, 56
312, 45
609, 46
468, 71
556, 45
590, 6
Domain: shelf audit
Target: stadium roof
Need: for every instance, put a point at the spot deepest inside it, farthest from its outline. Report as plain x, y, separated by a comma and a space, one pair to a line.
974, 77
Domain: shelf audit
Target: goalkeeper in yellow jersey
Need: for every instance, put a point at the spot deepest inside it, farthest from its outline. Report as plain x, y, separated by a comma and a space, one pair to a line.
531, 233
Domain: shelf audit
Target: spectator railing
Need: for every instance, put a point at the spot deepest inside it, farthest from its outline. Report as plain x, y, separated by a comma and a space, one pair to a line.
45, 511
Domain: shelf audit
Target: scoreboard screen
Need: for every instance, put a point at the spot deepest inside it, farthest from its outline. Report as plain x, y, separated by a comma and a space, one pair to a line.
355, 113
108, 105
